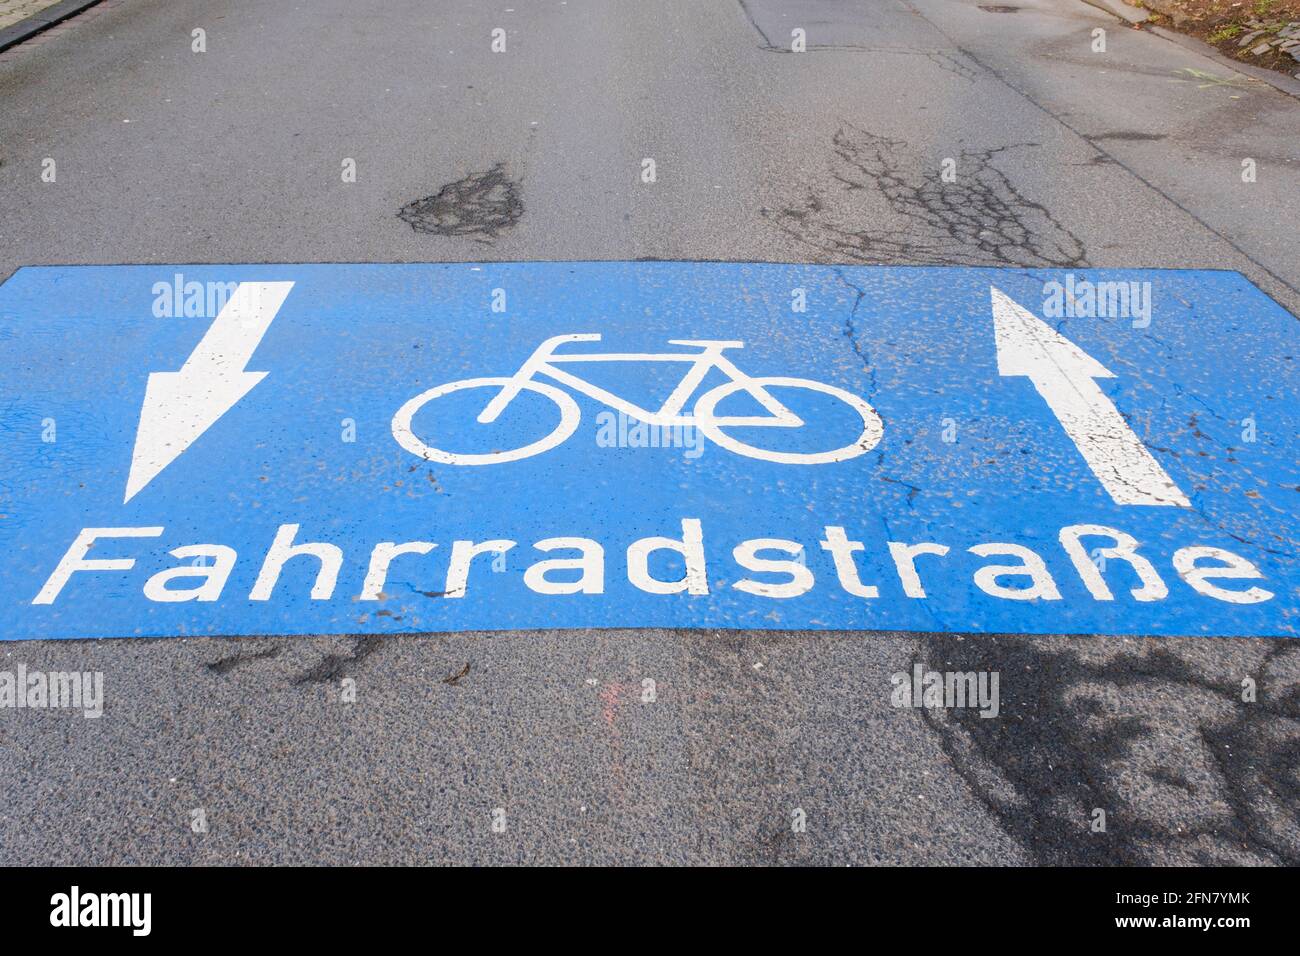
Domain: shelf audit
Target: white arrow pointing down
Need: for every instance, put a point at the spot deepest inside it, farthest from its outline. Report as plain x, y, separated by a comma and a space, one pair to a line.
180, 406
1063, 374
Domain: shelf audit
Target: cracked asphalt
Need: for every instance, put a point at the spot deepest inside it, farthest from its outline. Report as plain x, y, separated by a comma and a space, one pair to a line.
1069, 158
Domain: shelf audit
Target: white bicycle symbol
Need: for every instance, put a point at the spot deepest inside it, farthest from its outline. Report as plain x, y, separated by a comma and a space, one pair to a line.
544, 361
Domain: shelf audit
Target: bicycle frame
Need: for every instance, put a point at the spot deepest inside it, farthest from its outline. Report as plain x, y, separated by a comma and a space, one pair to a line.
544, 361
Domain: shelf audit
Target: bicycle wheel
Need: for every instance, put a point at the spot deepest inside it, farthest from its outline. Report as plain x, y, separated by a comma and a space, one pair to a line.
407, 438
872, 426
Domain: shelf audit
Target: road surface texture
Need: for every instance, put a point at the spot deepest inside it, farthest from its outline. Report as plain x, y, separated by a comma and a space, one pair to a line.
1075, 158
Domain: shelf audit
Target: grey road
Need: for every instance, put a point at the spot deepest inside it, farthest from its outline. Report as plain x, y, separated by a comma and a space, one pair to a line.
1131, 157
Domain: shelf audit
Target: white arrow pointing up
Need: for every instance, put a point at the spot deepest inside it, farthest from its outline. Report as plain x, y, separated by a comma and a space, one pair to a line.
1063, 374
181, 406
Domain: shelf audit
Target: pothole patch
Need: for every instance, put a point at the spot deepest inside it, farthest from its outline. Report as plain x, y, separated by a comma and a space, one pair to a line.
480, 206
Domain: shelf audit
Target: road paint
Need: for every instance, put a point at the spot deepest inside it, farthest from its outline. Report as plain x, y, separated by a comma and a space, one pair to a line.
523, 445
1063, 375
181, 406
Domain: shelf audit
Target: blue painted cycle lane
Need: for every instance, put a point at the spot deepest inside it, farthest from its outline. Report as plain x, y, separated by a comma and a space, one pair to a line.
928, 449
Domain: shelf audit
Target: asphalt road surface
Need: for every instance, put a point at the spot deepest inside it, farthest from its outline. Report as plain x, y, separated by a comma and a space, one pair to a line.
1122, 159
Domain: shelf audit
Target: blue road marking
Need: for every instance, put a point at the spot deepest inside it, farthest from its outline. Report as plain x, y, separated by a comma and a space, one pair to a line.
289, 449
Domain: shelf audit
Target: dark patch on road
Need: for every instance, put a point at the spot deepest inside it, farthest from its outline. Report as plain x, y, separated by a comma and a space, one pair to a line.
332, 667
997, 8
454, 679
480, 207
1129, 136
980, 219
1075, 734
227, 664
776, 843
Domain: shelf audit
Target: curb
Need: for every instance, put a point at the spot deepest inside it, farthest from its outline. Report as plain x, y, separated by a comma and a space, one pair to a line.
1119, 8
41, 21
1279, 81
1137, 17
